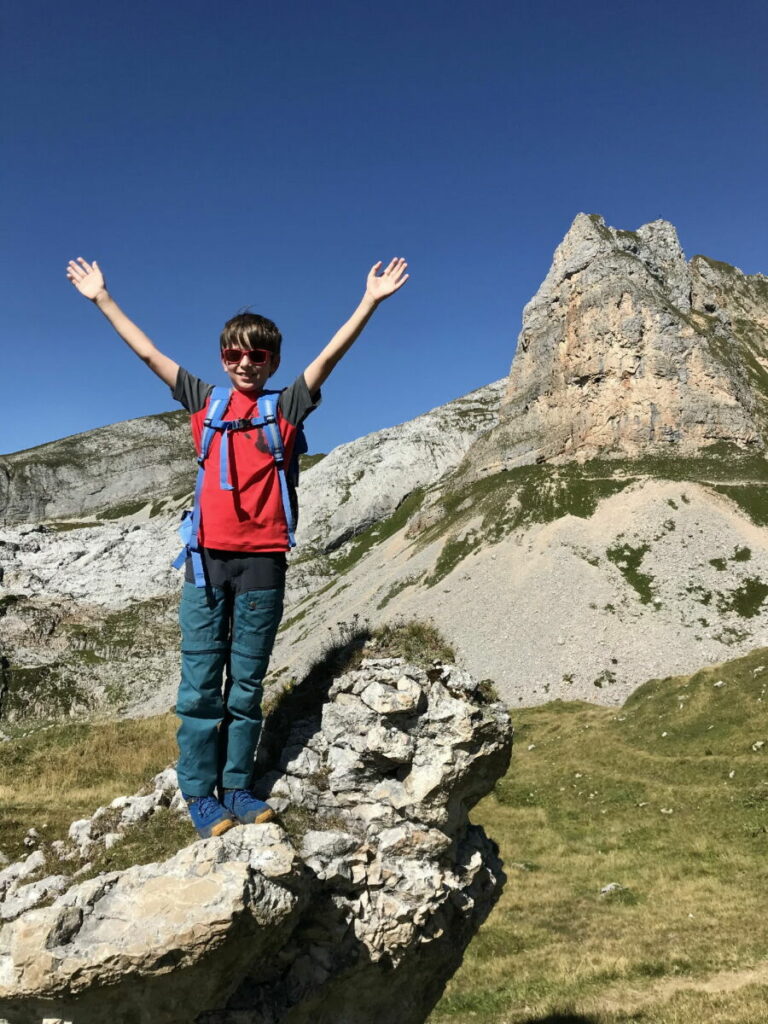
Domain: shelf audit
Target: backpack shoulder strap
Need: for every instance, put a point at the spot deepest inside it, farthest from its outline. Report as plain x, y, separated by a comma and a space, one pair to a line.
268, 409
217, 406
190, 527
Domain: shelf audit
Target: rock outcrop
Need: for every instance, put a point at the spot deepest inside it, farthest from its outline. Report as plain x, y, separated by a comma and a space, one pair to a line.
114, 469
626, 349
361, 914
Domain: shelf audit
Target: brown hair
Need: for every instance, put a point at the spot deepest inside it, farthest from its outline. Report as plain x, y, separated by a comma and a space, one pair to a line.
249, 330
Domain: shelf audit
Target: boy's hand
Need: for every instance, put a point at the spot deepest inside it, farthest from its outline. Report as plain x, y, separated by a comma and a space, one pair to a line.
87, 278
377, 287
380, 286
89, 281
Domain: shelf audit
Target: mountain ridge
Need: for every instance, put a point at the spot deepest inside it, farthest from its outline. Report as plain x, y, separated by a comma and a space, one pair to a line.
575, 547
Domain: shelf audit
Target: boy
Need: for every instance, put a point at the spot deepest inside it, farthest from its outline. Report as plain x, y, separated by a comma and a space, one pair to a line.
228, 626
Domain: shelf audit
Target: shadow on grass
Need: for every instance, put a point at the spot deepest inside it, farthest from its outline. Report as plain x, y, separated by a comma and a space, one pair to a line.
561, 1018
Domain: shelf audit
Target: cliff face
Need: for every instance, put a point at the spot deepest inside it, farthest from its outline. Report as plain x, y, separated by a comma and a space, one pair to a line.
627, 349
128, 463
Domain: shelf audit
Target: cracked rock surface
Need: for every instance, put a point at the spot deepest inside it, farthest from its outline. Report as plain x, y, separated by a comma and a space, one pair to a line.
360, 912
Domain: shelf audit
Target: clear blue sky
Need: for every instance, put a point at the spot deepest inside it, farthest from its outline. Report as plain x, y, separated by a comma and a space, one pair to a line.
265, 154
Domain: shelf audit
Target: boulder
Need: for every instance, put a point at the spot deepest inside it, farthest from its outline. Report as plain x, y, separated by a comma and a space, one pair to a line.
357, 908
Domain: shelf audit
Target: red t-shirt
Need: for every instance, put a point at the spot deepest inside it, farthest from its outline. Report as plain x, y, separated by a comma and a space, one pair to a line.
250, 517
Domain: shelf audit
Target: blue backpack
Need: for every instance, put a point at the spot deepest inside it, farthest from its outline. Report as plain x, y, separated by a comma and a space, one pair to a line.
289, 477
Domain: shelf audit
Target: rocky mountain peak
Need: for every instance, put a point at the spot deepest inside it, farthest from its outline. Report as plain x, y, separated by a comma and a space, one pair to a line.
626, 349
590, 239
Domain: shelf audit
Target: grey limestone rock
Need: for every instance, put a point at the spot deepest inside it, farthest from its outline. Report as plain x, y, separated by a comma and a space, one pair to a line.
361, 483
132, 462
363, 916
621, 353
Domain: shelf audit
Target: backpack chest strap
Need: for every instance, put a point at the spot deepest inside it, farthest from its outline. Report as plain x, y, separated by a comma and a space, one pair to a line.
227, 428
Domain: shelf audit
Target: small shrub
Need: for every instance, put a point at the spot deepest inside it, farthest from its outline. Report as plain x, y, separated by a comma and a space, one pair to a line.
745, 600
416, 641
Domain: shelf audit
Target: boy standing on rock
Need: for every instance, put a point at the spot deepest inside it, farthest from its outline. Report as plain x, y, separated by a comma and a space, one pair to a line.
229, 623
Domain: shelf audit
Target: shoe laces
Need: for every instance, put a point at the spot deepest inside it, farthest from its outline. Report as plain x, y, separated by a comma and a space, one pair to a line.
242, 800
207, 806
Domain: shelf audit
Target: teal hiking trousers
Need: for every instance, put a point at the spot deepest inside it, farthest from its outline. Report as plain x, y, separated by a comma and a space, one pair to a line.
226, 644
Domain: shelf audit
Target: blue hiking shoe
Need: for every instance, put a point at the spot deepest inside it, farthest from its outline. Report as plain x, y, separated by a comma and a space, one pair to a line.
208, 816
247, 808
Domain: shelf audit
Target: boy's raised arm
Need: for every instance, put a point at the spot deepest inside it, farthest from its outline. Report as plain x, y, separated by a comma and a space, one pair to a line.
377, 288
89, 281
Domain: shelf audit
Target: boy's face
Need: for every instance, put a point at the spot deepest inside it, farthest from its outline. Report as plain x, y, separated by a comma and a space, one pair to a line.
252, 370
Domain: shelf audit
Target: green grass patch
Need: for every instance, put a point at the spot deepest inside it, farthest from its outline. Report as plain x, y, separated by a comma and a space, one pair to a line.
139, 623
628, 560
65, 527
628, 236
416, 641
7, 601
308, 461
746, 599
599, 795
399, 587
352, 552
159, 837
287, 623
751, 498
42, 691
128, 508
602, 230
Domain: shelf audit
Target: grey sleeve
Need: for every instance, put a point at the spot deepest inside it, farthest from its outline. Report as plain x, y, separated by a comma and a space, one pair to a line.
191, 391
296, 403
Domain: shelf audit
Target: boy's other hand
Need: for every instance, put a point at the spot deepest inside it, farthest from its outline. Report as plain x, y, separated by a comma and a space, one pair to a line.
380, 286
87, 278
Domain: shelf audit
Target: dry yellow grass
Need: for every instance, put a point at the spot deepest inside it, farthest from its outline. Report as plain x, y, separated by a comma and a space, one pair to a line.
53, 776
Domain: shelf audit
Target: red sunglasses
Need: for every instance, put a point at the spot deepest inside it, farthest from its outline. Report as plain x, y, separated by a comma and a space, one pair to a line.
257, 356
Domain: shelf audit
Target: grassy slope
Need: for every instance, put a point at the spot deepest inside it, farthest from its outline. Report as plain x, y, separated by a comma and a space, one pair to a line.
584, 805
542, 493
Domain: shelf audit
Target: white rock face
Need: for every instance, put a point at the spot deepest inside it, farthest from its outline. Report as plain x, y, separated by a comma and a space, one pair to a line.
350, 922
363, 482
87, 473
626, 349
